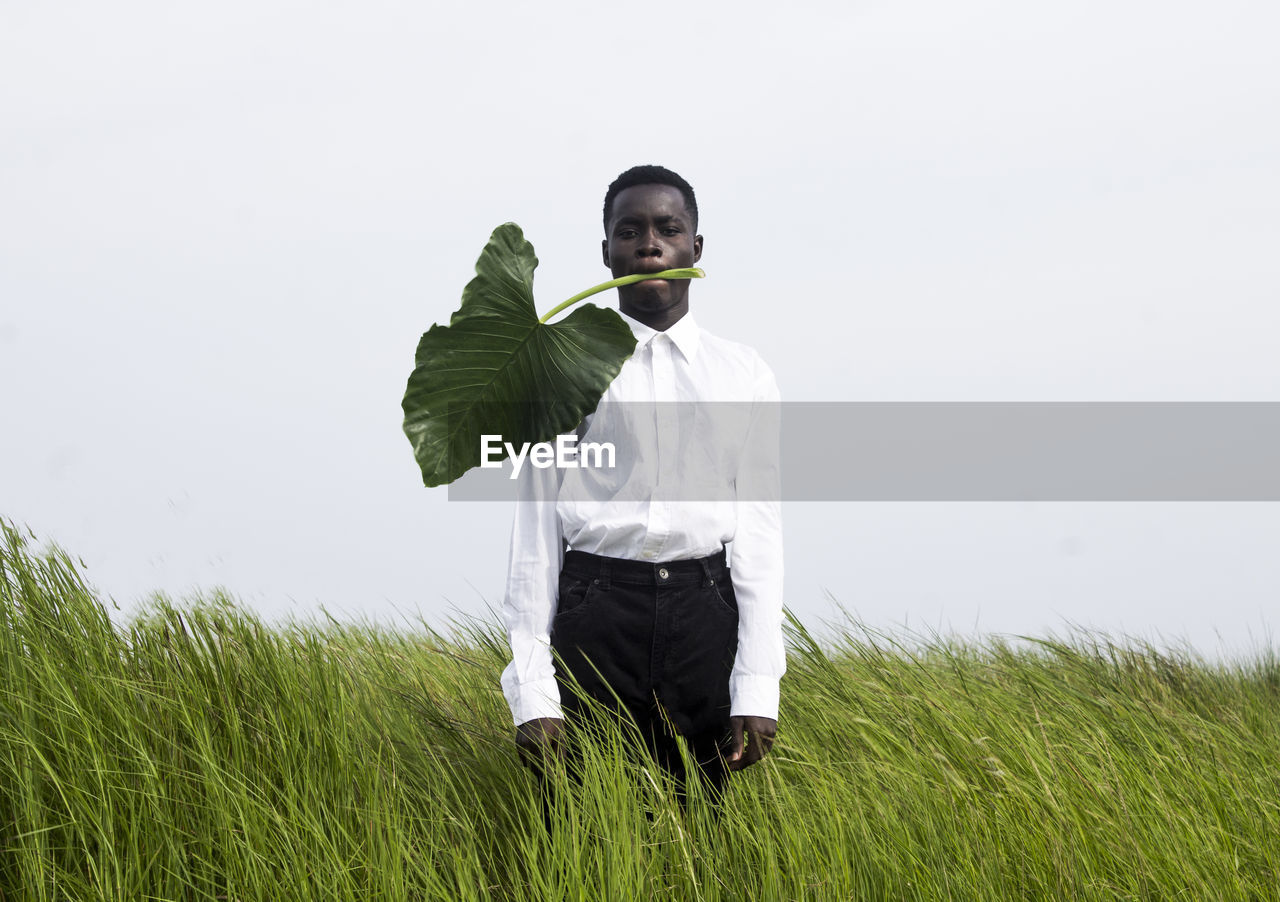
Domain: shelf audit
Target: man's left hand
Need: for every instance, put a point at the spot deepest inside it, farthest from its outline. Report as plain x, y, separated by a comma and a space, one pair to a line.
752, 739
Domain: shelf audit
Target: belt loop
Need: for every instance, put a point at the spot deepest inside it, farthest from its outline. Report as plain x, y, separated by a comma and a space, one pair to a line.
706, 571
604, 574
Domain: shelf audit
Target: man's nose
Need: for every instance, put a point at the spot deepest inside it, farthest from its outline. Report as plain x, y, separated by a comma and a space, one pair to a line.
649, 246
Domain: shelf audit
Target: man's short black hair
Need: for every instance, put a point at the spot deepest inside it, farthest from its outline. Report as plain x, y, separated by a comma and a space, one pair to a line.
650, 175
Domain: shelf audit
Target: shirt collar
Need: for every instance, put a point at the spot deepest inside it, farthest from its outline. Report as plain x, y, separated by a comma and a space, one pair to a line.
684, 334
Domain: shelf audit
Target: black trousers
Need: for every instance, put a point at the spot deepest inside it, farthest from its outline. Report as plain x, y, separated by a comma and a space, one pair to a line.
654, 643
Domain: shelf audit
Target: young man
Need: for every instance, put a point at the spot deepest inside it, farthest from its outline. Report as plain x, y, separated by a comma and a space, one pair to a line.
641, 609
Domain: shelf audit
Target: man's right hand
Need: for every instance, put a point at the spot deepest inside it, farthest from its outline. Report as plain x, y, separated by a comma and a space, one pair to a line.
536, 739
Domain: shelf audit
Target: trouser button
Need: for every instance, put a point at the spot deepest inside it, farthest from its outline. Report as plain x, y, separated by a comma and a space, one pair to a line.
662, 573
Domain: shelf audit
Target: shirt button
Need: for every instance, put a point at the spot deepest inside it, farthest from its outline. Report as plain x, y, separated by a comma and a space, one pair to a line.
647, 554
662, 573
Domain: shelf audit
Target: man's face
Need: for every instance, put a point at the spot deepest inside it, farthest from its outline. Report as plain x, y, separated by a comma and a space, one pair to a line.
650, 230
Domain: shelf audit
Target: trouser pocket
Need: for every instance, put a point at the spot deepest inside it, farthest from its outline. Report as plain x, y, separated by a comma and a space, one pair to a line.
701, 645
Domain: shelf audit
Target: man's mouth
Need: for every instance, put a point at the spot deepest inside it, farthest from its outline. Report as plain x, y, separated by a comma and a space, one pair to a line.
652, 283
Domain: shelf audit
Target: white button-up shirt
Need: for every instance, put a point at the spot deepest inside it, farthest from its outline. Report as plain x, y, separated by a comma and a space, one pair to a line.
677, 492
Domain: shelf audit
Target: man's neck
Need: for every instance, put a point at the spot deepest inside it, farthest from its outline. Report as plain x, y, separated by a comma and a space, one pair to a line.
658, 320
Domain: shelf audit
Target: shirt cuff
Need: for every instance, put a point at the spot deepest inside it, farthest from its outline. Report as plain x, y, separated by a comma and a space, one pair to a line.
753, 696
533, 700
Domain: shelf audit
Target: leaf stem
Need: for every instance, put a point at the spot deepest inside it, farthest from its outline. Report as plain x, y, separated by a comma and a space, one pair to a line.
690, 273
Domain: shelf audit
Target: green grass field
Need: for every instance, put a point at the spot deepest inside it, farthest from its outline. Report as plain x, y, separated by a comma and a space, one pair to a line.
197, 753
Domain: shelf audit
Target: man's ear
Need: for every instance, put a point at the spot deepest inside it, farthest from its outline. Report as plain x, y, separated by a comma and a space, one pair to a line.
697, 248
604, 252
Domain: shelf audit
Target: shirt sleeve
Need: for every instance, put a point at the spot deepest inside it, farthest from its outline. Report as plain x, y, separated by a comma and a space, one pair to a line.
756, 558
533, 576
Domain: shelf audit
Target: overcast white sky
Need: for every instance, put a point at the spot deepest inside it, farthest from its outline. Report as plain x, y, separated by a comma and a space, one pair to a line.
223, 228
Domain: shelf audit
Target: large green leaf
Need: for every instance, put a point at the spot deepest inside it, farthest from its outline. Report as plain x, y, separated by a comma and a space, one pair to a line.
497, 370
